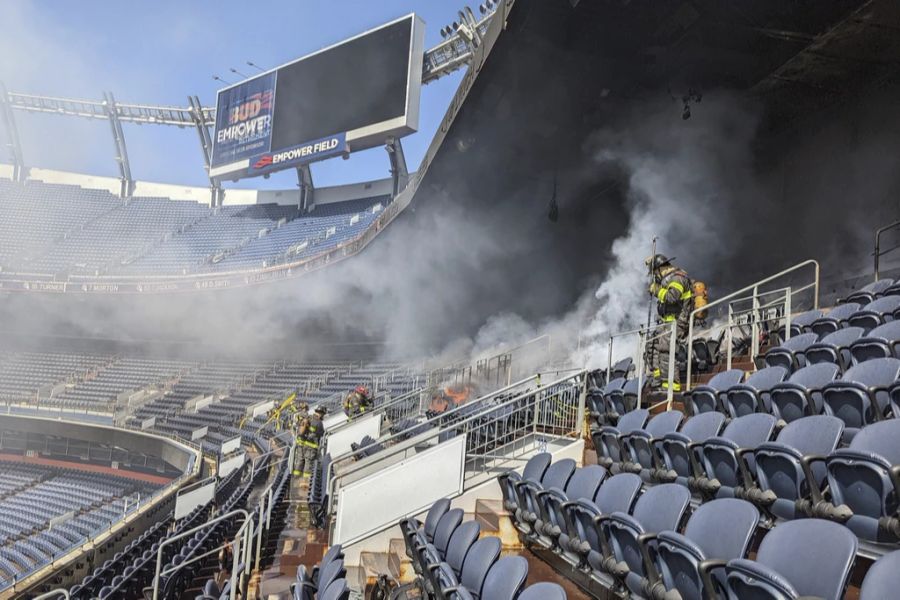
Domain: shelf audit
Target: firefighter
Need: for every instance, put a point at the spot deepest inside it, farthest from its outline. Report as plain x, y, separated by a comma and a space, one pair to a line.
673, 290
357, 402
309, 435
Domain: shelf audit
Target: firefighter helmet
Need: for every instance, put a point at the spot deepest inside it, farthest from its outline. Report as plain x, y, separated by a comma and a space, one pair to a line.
320, 410
657, 261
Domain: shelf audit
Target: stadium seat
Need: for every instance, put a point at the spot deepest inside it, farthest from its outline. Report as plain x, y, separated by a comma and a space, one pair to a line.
753, 395
480, 558
835, 319
639, 446
436, 551
790, 354
617, 494
557, 475
881, 342
677, 448
784, 467
835, 348
877, 312
802, 558
621, 368
462, 540
620, 397
726, 461
543, 591
869, 292
801, 323
883, 579
862, 483
336, 590
861, 396
411, 527
606, 439
534, 470
720, 530
706, 397
801, 395
583, 485
660, 508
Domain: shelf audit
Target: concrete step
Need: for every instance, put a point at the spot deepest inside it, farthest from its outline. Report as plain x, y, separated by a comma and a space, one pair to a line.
356, 578
398, 549
377, 563
495, 522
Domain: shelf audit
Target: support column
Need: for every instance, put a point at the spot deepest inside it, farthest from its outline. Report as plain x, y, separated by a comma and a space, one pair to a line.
12, 136
399, 172
307, 189
216, 193
127, 182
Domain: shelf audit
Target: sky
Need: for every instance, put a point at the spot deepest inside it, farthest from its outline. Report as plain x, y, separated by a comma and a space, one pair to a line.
161, 52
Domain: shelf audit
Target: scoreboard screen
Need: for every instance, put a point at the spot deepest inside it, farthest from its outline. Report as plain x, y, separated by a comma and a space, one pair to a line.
344, 98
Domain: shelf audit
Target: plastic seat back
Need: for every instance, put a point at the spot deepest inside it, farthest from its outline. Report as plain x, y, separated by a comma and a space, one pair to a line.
883, 579
835, 319
481, 556
850, 398
753, 395
834, 348
807, 557
790, 354
505, 579
674, 446
719, 458
544, 590
801, 395
881, 342
705, 398
875, 313
718, 530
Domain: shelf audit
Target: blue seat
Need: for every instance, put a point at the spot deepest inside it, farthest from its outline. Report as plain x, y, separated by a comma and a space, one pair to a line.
462, 540
336, 590
727, 460
583, 485
835, 319
875, 313
753, 395
621, 400
706, 398
621, 368
806, 557
881, 342
861, 396
801, 323
790, 354
534, 469
784, 467
442, 533
607, 407
862, 484
505, 579
639, 446
720, 530
617, 494
835, 348
661, 508
869, 292
480, 558
677, 449
606, 439
801, 395
883, 579
409, 527
557, 475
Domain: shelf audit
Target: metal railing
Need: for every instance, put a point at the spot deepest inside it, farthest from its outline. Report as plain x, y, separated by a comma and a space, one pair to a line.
772, 311
753, 293
646, 336
878, 253
556, 407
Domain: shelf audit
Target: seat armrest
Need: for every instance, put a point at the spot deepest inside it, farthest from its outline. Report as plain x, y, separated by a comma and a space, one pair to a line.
646, 542
806, 462
599, 520
744, 468
705, 569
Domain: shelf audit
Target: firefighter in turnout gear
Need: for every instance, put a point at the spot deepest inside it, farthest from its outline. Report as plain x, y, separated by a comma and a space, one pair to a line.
308, 434
357, 402
673, 290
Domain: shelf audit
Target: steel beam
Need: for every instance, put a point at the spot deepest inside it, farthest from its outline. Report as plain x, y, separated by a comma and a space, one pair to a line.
307, 189
206, 145
399, 171
12, 136
126, 188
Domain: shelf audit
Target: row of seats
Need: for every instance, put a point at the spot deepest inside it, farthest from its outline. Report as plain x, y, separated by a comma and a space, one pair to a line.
326, 581
648, 544
798, 470
452, 563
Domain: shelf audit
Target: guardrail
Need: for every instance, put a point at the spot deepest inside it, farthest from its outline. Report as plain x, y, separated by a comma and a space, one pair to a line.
753, 294
495, 434
878, 252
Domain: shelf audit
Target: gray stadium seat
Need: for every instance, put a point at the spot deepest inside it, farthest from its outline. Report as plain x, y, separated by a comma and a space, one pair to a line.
883, 579
881, 342
606, 439
877, 312
753, 395
869, 292
722, 467
543, 591
835, 319
720, 530
783, 467
861, 396
678, 457
639, 445
583, 485
706, 397
806, 557
557, 475
801, 395
790, 354
534, 469
835, 348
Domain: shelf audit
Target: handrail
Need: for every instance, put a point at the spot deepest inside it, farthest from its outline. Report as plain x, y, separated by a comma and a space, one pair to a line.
878, 253
437, 431
753, 290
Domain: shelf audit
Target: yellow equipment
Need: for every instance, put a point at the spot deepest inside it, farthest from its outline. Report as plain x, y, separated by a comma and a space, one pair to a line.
701, 298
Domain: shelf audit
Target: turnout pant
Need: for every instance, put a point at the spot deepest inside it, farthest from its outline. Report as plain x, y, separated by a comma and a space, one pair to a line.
305, 459
660, 348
